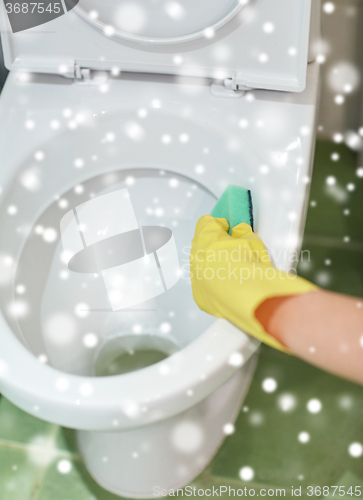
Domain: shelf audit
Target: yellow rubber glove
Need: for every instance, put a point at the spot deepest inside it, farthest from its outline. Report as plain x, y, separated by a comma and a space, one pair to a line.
232, 275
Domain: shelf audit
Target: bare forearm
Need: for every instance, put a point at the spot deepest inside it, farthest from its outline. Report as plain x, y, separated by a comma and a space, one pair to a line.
323, 328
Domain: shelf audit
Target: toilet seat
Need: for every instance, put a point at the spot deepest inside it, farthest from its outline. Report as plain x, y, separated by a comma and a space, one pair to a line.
173, 23
71, 407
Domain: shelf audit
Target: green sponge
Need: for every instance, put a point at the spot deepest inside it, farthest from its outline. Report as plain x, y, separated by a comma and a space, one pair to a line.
235, 205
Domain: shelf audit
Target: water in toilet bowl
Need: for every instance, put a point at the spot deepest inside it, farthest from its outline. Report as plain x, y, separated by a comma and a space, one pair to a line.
126, 353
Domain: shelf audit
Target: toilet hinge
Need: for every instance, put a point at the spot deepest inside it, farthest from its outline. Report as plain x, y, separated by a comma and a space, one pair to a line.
235, 83
81, 73
86, 76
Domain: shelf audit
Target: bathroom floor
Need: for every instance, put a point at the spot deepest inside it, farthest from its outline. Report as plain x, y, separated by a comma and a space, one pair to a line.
275, 434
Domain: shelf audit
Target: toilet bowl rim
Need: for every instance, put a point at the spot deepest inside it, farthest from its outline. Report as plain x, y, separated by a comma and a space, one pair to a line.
90, 402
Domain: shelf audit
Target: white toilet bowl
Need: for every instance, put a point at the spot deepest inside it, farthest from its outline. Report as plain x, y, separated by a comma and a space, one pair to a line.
160, 425
147, 379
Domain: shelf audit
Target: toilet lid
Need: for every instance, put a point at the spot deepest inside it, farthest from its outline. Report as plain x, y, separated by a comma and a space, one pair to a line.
256, 43
159, 22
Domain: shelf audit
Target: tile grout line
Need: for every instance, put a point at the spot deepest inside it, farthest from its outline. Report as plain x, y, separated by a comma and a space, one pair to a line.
25, 447
43, 469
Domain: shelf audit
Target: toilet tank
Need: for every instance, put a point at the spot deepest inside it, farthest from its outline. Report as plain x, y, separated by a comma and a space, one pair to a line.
245, 43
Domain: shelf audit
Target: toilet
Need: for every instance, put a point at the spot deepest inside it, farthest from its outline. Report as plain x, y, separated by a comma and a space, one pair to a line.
121, 124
